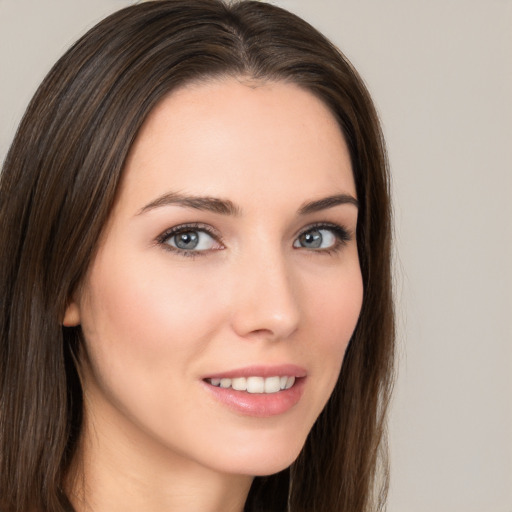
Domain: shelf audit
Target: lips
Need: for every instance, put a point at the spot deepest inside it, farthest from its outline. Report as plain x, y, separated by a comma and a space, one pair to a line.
260, 391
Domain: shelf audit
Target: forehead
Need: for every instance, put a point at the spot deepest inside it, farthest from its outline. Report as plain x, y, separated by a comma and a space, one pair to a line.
238, 138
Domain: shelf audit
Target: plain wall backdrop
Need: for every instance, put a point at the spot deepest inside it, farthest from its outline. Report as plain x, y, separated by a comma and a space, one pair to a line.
441, 75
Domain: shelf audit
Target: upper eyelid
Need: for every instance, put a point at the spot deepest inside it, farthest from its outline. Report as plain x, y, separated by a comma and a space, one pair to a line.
189, 226
326, 225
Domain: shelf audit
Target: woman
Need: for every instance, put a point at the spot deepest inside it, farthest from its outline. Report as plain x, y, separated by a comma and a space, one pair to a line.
195, 273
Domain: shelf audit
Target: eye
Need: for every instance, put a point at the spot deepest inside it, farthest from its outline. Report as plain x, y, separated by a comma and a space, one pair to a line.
322, 237
189, 239
316, 239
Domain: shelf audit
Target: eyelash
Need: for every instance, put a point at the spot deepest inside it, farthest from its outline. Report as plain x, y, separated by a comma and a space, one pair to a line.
343, 236
341, 233
183, 228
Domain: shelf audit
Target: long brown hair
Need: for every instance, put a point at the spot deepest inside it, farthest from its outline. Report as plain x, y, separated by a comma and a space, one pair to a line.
58, 185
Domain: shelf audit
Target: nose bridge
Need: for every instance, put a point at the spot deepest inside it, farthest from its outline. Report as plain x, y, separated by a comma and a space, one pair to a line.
265, 298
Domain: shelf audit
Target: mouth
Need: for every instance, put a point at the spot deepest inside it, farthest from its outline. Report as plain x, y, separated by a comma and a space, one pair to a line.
258, 391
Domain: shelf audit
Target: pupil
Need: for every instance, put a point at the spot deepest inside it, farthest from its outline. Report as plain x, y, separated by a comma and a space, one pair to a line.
187, 240
313, 239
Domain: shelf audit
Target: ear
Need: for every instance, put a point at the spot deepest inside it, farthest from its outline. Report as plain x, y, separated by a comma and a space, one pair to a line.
72, 315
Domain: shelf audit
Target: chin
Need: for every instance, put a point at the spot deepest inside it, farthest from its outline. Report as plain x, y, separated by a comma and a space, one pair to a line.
262, 460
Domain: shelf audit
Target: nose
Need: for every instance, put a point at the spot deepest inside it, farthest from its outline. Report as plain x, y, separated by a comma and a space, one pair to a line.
265, 298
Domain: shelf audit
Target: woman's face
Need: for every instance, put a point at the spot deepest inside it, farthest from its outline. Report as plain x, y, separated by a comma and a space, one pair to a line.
229, 261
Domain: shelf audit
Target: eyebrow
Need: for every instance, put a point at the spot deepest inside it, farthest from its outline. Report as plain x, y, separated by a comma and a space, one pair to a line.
205, 203
227, 207
327, 202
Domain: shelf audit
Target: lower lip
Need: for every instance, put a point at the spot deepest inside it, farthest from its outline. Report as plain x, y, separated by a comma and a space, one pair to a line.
262, 405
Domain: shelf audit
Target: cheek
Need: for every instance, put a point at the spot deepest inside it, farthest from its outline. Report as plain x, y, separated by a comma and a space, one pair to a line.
142, 307
144, 328
143, 325
333, 314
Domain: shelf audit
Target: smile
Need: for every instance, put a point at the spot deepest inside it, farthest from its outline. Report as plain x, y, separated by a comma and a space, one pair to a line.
258, 392
255, 384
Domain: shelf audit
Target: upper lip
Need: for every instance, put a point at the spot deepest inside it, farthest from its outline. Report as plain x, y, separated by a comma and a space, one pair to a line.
281, 370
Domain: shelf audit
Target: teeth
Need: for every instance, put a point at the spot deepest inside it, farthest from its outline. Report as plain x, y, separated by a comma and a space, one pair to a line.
225, 383
255, 384
272, 385
240, 384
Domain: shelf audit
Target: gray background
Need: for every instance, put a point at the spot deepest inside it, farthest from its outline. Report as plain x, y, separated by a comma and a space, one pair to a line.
441, 75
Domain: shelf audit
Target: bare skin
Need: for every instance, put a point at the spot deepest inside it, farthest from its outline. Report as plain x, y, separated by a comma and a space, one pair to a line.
263, 270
